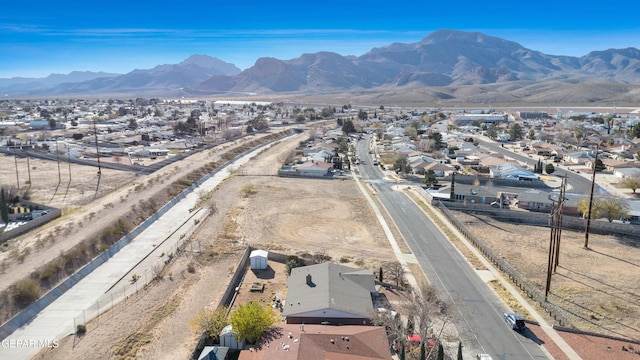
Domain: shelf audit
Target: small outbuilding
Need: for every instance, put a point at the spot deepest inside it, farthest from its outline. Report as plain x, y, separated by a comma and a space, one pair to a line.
229, 339
259, 259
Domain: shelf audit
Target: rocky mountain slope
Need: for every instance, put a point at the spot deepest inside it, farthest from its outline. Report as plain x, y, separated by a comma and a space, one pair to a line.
447, 65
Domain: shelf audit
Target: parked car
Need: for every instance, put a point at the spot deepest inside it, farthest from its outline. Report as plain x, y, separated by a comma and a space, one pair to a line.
495, 204
515, 321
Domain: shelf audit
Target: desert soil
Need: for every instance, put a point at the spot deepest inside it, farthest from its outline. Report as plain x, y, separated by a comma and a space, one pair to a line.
598, 287
84, 214
330, 218
294, 216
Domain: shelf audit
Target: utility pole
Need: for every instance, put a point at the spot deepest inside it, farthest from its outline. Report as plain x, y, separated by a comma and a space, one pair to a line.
28, 164
95, 132
593, 182
15, 159
556, 232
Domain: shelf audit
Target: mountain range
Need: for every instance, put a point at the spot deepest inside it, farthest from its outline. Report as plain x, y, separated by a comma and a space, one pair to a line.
447, 65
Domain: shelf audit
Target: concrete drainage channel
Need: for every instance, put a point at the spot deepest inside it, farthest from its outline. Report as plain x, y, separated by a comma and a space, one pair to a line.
60, 321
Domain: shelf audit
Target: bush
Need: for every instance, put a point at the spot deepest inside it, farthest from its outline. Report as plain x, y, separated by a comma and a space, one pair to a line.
26, 292
291, 262
81, 330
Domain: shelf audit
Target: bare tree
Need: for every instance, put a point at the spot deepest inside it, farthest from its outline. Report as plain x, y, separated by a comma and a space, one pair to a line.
395, 271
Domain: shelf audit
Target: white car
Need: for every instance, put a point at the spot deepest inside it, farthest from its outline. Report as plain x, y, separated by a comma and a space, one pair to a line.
515, 321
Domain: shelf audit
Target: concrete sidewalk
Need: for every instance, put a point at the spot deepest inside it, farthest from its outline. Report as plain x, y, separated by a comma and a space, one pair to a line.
566, 349
79, 303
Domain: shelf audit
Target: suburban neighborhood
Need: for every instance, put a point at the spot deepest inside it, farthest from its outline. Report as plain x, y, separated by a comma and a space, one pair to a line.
498, 163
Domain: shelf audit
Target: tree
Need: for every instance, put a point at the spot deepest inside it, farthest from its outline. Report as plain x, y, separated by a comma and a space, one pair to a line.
250, 320
258, 123
635, 131
578, 135
437, 138
133, 124
583, 207
423, 308
516, 132
380, 274
4, 207
401, 165
537, 168
598, 165
402, 354
411, 132
440, 355
460, 350
423, 353
613, 208
609, 120
430, 178
347, 127
610, 208
292, 262
327, 112
549, 168
211, 321
532, 134
492, 131
362, 115
395, 271
632, 183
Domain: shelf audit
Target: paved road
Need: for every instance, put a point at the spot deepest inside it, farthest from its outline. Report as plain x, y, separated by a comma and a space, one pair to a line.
481, 325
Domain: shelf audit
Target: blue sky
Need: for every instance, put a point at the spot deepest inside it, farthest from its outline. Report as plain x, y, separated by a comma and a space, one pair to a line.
38, 38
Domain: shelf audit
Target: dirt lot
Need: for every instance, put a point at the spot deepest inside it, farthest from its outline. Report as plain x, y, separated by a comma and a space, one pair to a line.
598, 287
83, 214
310, 217
330, 218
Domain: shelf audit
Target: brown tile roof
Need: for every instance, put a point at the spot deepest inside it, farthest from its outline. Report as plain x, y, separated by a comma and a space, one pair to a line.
321, 342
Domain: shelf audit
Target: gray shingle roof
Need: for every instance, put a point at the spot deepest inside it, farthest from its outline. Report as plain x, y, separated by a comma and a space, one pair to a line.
332, 286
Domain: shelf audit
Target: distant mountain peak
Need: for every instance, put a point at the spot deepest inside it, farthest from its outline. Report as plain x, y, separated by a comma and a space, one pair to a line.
460, 64
210, 62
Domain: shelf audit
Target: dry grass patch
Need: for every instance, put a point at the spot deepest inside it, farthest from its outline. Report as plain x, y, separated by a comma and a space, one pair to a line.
129, 347
509, 299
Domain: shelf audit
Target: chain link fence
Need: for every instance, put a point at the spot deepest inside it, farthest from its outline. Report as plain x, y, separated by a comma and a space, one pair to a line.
558, 314
138, 278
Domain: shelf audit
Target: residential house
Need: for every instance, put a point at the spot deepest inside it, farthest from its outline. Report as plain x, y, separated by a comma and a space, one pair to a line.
577, 157
440, 170
614, 164
627, 172
321, 342
314, 169
511, 171
330, 294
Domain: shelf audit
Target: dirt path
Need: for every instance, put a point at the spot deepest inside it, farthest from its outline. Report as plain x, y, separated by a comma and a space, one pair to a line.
285, 215
81, 222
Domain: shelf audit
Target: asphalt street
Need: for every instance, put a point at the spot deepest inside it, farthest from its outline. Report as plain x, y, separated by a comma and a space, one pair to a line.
479, 319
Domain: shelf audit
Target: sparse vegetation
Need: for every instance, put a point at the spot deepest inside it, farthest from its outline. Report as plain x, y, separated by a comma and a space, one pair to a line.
25, 292
210, 321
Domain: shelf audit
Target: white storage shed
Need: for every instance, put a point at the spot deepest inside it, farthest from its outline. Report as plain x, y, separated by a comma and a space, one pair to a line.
229, 339
259, 259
